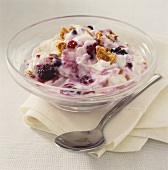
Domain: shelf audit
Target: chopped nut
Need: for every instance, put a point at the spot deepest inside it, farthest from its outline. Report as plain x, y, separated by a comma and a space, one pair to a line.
30, 74
63, 31
144, 62
99, 34
127, 77
121, 71
112, 37
103, 54
60, 46
112, 57
106, 84
71, 28
115, 37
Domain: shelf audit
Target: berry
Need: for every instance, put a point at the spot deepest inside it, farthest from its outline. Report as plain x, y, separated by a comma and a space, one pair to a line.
118, 50
72, 44
71, 92
69, 86
74, 32
94, 45
58, 63
91, 56
86, 80
90, 49
88, 92
67, 92
89, 26
122, 52
129, 65
47, 72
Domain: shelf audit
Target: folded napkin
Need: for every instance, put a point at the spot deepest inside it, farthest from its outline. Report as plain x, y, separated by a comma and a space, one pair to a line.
145, 117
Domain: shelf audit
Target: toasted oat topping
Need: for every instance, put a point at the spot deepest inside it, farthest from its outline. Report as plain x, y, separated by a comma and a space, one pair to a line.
112, 37
98, 35
63, 31
103, 54
71, 28
121, 71
30, 74
60, 46
106, 84
127, 77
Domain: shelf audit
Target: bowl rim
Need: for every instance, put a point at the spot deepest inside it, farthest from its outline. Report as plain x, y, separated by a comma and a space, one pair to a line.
83, 89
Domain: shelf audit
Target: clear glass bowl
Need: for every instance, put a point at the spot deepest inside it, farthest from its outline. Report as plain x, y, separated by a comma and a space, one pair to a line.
23, 43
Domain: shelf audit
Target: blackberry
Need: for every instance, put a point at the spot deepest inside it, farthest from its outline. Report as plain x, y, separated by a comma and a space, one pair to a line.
89, 26
47, 72
118, 50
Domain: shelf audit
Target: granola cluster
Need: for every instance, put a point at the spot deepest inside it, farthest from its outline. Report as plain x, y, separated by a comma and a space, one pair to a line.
64, 31
104, 54
61, 45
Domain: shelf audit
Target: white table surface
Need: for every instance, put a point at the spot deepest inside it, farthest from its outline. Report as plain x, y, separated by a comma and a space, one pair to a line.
24, 148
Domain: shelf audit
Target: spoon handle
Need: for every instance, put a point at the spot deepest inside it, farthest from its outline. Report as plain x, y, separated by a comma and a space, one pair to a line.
126, 100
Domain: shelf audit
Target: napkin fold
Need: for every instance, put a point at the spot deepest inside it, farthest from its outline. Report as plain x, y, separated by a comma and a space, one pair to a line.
145, 117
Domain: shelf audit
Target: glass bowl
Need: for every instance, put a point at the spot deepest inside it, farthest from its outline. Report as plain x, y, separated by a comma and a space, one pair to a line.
23, 43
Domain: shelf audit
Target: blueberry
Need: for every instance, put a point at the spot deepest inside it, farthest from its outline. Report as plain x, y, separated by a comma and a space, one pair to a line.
129, 65
58, 63
118, 50
91, 56
122, 52
89, 26
112, 50
78, 92
74, 32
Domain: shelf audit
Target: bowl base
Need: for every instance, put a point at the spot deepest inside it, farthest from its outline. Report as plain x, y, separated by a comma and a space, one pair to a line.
82, 108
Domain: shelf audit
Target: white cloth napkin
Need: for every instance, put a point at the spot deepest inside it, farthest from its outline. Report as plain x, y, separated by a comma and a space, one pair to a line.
145, 117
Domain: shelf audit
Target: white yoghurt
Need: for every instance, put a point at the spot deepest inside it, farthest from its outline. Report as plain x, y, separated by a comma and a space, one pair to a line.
78, 62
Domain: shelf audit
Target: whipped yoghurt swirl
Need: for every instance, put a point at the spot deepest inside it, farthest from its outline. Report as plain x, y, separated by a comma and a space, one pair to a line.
81, 57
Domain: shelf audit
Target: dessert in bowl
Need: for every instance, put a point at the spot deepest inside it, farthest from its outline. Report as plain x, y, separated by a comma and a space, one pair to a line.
80, 63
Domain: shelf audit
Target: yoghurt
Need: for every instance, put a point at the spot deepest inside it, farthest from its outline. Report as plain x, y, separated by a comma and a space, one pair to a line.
81, 57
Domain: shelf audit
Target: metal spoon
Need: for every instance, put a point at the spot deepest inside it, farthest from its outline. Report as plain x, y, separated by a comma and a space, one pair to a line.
93, 139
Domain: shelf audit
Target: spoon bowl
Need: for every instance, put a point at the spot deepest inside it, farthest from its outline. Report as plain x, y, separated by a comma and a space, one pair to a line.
93, 139
81, 140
